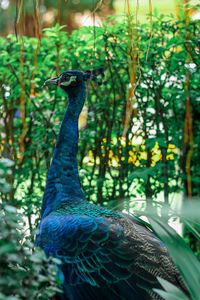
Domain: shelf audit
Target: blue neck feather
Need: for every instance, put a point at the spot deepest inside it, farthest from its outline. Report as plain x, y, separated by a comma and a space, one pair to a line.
63, 183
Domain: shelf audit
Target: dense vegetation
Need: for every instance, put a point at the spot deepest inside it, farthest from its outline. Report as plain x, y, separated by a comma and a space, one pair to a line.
153, 152
24, 274
142, 132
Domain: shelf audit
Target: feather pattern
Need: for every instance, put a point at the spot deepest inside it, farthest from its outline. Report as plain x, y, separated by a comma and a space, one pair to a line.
104, 254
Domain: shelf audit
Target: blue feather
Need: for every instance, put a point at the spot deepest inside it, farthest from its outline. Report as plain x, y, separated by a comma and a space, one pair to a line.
104, 254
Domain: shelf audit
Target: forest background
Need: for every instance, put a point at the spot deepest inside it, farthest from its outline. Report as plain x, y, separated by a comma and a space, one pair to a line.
139, 130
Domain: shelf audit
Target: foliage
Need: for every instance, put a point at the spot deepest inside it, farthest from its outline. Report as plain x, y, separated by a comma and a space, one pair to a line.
184, 258
151, 157
24, 274
156, 152
171, 291
5, 172
30, 16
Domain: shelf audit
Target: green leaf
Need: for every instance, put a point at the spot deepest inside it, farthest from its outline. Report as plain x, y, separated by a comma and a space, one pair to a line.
171, 291
181, 254
192, 229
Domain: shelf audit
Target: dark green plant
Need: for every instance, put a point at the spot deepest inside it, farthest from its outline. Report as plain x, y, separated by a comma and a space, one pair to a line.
24, 273
5, 175
182, 255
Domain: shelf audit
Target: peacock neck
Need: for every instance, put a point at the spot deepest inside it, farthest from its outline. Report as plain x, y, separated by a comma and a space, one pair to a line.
63, 183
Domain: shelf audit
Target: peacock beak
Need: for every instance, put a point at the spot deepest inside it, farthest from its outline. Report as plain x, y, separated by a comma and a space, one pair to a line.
52, 81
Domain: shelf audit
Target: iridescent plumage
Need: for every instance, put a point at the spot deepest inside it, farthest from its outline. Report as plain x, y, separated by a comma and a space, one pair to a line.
105, 255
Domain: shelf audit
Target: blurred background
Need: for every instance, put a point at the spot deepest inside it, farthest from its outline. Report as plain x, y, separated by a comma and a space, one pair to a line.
75, 13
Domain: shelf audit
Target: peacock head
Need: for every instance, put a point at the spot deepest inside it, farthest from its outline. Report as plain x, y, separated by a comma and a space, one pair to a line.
72, 80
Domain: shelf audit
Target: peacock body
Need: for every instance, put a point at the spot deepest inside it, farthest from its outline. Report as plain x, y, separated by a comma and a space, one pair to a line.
104, 254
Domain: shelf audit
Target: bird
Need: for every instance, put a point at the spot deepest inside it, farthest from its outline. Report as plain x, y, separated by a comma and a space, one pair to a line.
104, 254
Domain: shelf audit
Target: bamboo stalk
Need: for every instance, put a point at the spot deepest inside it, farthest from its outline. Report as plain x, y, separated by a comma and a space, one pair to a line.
133, 58
151, 28
188, 134
22, 103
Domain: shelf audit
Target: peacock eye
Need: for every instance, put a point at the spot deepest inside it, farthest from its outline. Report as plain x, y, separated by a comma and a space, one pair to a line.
68, 80
65, 77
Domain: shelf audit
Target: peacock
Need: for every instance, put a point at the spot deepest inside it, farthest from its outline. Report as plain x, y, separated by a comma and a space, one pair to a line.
104, 254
